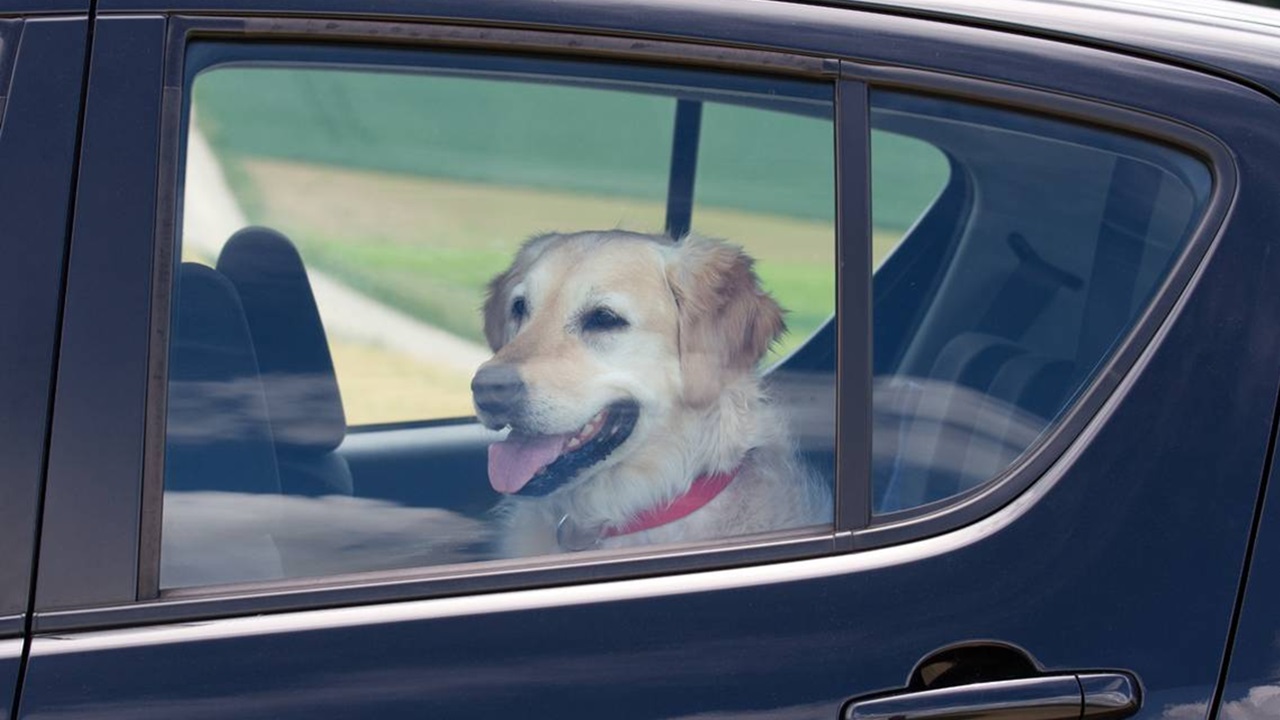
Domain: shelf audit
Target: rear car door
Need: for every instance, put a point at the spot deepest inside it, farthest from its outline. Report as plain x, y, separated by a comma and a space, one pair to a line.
1026, 244
41, 66
1250, 680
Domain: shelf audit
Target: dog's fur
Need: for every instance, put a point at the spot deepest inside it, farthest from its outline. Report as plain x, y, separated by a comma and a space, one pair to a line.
697, 325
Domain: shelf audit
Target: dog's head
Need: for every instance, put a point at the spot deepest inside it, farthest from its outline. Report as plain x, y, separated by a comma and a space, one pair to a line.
601, 337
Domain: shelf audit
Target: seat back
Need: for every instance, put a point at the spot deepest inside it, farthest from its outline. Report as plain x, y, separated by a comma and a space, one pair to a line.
218, 437
304, 405
219, 460
986, 401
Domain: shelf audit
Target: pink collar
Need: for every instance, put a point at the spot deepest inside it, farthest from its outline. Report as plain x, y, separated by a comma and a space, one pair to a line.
704, 489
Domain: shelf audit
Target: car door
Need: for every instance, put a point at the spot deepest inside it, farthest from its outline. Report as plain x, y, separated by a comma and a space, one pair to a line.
1042, 382
1250, 682
41, 66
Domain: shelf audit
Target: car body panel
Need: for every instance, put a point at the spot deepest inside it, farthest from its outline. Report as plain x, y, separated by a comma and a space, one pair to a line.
111, 239
37, 153
10, 666
29, 8
879, 39
1227, 36
1233, 38
1252, 687
1089, 569
41, 68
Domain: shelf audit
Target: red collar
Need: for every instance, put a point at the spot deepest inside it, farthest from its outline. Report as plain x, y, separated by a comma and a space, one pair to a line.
704, 489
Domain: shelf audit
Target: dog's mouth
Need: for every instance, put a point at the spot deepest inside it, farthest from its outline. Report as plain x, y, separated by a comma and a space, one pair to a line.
536, 465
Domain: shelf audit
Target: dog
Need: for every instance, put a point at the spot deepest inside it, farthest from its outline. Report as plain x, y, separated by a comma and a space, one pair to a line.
626, 369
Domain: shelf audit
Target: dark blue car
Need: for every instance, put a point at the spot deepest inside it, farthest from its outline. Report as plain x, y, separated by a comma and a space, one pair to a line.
1028, 254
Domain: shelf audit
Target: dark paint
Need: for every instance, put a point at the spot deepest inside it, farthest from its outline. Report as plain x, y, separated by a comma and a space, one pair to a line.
37, 152
43, 66
1127, 555
101, 392
37, 145
1230, 38
823, 31
1237, 40
43, 7
1252, 688
10, 665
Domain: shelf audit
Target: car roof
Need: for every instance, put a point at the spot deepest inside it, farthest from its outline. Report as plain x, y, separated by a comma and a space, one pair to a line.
1228, 38
1232, 39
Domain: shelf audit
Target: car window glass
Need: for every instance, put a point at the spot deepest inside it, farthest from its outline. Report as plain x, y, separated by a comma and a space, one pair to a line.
1007, 294
903, 189
775, 198
373, 247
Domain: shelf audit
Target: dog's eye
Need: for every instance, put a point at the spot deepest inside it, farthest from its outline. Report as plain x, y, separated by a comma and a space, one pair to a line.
602, 319
519, 309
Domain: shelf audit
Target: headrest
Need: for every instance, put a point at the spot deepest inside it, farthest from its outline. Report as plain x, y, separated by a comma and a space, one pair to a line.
303, 401
217, 435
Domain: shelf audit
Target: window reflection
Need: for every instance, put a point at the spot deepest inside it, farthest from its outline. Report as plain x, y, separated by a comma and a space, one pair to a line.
1005, 294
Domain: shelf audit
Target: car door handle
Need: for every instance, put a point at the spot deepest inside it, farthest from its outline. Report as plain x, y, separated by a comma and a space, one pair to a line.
1082, 696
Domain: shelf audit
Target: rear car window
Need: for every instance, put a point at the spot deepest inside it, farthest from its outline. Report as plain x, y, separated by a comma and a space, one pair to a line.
361, 237
1004, 298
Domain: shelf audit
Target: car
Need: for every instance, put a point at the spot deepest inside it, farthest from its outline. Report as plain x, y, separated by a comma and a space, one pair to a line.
1029, 257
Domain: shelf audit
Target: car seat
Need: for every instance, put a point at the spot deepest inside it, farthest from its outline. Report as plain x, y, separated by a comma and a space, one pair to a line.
217, 439
304, 405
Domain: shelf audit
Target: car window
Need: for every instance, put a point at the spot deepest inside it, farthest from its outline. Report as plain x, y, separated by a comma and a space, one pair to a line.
415, 190
1004, 298
380, 246
903, 188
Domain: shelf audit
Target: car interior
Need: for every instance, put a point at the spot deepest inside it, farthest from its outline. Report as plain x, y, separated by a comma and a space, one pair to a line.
991, 315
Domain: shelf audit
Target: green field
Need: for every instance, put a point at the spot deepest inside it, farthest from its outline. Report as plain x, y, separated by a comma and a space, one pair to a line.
571, 139
416, 189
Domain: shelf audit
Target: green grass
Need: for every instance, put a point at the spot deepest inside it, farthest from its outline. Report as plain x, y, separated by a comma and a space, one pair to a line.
553, 137
441, 286
517, 134
586, 157
434, 259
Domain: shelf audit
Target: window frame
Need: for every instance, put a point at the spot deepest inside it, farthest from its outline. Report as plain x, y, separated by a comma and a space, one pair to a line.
1090, 404
113, 607
495, 574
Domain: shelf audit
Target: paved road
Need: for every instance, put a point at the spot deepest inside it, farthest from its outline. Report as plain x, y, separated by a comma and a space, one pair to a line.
211, 215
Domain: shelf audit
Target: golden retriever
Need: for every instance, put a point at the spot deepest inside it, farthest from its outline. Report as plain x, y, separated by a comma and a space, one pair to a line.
626, 369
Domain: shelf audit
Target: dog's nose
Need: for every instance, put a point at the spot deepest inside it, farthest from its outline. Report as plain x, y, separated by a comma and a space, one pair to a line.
497, 389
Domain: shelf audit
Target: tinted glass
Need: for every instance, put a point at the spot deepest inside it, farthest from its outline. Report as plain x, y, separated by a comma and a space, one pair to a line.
410, 238
1008, 293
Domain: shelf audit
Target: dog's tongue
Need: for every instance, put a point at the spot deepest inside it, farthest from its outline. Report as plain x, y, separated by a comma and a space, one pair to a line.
514, 461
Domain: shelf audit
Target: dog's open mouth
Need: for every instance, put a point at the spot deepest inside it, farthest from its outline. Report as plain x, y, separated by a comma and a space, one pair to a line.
536, 465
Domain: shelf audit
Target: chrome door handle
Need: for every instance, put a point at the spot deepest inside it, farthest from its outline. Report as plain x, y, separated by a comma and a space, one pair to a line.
1082, 696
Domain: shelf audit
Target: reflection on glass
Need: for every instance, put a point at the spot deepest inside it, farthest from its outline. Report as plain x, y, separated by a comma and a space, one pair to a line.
1046, 242
356, 269
221, 537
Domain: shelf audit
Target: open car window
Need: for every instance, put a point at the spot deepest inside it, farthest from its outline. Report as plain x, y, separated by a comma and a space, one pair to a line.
614, 267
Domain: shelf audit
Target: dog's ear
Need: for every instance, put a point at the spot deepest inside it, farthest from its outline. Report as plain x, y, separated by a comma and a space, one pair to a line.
727, 321
495, 308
